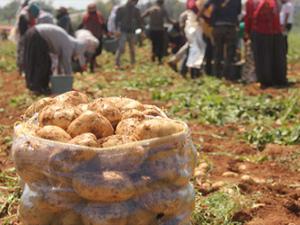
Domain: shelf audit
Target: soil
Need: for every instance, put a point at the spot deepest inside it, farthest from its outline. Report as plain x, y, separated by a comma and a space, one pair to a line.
274, 183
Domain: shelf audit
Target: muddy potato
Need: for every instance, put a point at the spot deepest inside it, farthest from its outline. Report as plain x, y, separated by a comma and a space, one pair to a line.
61, 199
152, 110
139, 216
115, 140
110, 186
58, 115
168, 200
133, 113
72, 98
127, 159
127, 127
30, 160
53, 133
107, 109
38, 106
68, 218
179, 219
112, 214
156, 127
125, 104
30, 210
87, 139
168, 166
91, 122
63, 163
83, 108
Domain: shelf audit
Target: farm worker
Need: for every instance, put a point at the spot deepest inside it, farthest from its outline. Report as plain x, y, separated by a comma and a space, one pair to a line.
111, 24
225, 22
27, 18
95, 23
44, 39
64, 20
287, 19
262, 24
128, 20
157, 15
181, 54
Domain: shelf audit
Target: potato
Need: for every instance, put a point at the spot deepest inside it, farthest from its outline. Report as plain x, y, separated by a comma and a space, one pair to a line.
139, 216
152, 110
168, 200
126, 159
127, 127
104, 214
168, 166
60, 199
68, 218
87, 139
133, 113
156, 127
63, 163
115, 140
72, 98
58, 115
180, 219
83, 108
53, 133
107, 109
125, 104
38, 106
110, 186
30, 160
91, 122
30, 210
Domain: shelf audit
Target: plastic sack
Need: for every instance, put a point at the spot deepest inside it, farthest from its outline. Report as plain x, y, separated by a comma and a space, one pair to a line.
140, 183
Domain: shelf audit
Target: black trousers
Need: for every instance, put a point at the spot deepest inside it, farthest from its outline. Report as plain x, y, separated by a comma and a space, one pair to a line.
37, 62
208, 56
270, 59
96, 54
225, 39
158, 40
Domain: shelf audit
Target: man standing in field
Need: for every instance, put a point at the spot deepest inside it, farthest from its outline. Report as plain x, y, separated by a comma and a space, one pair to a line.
158, 15
128, 19
224, 20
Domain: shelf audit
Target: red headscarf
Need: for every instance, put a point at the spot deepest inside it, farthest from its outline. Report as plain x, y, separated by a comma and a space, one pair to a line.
191, 5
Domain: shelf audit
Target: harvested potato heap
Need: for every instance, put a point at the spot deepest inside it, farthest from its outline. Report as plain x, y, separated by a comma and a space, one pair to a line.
111, 161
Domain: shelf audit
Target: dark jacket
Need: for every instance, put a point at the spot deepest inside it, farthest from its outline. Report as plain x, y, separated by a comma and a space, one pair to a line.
128, 18
225, 12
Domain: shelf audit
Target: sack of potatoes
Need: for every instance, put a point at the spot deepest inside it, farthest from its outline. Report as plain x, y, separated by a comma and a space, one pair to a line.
108, 161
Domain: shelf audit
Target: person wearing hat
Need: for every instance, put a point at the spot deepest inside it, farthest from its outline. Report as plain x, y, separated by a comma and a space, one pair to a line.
44, 39
94, 22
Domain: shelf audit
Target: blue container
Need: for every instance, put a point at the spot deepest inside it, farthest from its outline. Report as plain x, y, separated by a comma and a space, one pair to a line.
61, 84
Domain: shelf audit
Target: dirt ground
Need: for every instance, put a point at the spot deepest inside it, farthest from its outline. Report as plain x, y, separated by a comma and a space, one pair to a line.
274, 184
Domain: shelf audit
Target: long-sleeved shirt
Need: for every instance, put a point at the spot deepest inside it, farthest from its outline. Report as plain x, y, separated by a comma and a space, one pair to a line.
158, 15
225, 12
262, 16
128, 18
62, 45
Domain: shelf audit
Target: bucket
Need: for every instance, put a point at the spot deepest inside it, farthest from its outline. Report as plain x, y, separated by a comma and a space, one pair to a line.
61, 84
111, 44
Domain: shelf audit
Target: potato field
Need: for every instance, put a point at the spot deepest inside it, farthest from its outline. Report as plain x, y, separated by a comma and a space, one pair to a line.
247, 139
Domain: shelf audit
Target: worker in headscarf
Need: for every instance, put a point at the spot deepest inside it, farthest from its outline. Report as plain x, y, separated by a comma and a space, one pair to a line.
44, 39
94, 21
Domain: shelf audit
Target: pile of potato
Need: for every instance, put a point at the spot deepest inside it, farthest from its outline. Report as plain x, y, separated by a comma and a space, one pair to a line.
87, 162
